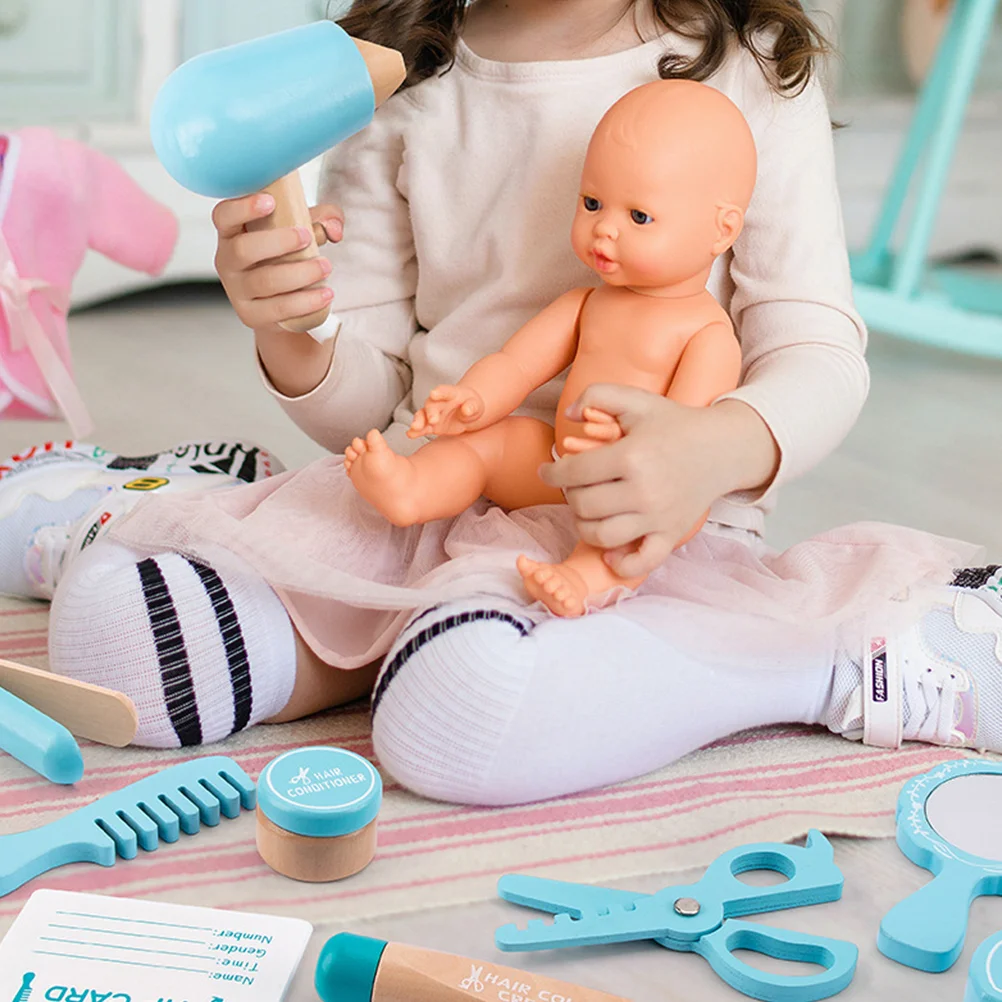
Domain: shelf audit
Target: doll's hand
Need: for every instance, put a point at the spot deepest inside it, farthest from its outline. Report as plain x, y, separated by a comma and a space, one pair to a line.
656, 483
449, 410
599, 428
265, 293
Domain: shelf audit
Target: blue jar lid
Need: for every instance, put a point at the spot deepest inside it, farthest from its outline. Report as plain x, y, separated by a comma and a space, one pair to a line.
320, 792
985, 981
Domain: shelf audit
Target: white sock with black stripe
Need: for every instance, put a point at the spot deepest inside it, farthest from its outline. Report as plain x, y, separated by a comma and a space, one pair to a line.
201, 654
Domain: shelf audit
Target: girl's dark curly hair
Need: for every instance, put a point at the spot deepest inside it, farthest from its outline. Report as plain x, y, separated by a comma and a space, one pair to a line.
778, 33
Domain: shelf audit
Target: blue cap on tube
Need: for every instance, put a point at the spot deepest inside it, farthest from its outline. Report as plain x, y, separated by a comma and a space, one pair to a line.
347, 968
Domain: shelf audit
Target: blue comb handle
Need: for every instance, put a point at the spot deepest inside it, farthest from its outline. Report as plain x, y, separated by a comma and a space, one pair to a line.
158, 807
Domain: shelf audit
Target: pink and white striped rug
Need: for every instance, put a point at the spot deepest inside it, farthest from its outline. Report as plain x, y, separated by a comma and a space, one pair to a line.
766, 785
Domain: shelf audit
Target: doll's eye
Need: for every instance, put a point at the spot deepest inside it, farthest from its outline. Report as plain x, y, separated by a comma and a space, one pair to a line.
592, 204
641, 218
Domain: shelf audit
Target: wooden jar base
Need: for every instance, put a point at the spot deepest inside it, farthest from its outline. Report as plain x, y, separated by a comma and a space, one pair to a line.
314, 860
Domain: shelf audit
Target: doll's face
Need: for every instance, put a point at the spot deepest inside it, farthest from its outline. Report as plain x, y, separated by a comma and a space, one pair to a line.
666, 182
642, 220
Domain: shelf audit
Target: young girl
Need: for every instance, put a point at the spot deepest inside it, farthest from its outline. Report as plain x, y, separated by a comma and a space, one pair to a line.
273, 600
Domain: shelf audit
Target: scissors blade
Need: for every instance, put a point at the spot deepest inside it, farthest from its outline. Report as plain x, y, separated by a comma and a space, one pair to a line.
623, 922
556, 896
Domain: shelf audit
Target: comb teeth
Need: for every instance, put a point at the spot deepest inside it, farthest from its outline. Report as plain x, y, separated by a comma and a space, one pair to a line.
182, 807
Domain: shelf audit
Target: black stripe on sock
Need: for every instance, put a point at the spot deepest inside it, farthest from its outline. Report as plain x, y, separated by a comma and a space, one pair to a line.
237, 658
974, 577
175, 669
430, 633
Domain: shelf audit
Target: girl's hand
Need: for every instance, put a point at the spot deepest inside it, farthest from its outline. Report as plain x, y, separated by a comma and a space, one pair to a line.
447, 411
657, 482
263, 292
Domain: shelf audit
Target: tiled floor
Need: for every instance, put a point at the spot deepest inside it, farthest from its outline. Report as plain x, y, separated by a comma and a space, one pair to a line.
176, 364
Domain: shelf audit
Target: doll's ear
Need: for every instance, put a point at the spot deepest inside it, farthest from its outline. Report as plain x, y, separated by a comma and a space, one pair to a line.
730, 222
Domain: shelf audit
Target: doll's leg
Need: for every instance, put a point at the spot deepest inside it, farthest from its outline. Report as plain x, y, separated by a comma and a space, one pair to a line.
564, 587
447, 475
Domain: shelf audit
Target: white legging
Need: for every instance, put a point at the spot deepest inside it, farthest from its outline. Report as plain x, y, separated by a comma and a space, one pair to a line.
475, 705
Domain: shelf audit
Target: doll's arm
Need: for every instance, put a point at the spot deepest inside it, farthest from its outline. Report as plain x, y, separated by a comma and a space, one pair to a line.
534, 354
709, 367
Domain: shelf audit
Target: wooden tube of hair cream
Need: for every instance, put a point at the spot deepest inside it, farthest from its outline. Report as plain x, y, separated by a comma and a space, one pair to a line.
359, 969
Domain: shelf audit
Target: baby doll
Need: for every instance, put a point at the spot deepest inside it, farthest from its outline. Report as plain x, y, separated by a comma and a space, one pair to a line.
667, 179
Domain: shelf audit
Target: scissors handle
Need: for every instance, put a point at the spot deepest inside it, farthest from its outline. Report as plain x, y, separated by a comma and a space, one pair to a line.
838, 959
812, 877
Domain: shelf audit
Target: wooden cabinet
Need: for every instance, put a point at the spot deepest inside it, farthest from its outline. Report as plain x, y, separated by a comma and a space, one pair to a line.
60, 62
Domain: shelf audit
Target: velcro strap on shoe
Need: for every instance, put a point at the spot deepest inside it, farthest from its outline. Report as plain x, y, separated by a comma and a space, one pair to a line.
882, 709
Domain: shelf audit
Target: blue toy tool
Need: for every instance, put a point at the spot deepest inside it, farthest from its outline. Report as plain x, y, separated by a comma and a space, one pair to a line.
984, 983
38, 741
699, 918
247, 117
160, 806
950, 823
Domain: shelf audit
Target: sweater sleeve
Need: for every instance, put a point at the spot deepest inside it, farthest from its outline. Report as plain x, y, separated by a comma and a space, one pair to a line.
802, 341
374, 281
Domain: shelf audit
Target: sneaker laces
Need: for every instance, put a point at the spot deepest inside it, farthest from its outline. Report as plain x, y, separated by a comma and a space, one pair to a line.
934, 688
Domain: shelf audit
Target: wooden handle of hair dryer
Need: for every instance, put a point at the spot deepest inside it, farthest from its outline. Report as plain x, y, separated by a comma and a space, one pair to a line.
291, 209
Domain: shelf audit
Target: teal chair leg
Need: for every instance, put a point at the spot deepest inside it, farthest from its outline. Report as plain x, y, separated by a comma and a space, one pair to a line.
896, 293
970, 29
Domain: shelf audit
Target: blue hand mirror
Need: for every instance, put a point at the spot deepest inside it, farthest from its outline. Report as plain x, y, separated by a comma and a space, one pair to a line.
949, 822
985, 981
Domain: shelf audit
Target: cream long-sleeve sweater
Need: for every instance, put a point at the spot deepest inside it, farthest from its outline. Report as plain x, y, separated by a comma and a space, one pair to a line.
458, 202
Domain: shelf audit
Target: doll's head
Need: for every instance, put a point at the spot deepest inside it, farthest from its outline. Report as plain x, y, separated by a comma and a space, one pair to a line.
668, 177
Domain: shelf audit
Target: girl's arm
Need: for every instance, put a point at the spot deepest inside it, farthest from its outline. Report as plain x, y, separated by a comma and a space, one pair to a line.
805, 377
354, 382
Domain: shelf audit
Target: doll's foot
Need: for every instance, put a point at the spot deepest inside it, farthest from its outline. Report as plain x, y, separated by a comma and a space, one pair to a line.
387, 481
560, 588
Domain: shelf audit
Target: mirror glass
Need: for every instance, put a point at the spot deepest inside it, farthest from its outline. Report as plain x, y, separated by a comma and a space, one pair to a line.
967, 813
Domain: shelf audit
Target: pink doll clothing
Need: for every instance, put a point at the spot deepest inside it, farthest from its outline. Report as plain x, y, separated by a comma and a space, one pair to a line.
57, 199
349, 578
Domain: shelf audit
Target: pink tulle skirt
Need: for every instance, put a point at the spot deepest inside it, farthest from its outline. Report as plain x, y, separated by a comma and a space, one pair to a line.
350, 580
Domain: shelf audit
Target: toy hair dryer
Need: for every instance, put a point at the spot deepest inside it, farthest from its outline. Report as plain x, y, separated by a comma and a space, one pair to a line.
245, 118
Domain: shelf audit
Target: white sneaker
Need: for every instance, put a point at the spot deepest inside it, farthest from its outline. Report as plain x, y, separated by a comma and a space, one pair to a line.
940, 681
58, 498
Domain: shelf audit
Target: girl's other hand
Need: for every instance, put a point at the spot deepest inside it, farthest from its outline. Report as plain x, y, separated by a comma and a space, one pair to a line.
263, 291
449, 410
656, 483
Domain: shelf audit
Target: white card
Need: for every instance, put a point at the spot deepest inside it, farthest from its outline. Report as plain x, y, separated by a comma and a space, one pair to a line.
67, 947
